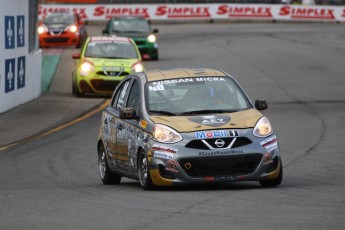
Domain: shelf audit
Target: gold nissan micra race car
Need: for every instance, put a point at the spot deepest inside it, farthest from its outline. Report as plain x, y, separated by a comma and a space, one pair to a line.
186, 126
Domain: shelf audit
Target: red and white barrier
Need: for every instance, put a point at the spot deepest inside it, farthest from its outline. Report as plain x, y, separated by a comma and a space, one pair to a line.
153, 12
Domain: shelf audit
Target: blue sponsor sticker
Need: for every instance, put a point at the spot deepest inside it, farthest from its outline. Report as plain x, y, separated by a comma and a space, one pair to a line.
20, 31
212, 134
9, 32
21, 72
9, 75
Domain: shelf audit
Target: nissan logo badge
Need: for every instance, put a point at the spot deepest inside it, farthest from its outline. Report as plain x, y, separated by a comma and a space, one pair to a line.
219, 142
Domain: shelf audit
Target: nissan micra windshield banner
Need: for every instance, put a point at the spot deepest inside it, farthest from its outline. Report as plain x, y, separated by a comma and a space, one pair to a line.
99, 12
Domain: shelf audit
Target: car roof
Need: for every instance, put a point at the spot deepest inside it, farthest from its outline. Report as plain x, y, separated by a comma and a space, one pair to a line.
159, 74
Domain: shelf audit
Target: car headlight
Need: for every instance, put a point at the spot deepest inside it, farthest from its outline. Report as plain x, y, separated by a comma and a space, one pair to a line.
73, 28
165, 134
41, 29
263, 128
87, 67
151, 38
138, 67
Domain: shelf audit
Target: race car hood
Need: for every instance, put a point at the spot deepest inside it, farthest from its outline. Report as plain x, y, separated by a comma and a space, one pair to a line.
238, 120
109, 62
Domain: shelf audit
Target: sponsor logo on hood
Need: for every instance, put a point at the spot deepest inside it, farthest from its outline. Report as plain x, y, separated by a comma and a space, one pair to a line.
213, 120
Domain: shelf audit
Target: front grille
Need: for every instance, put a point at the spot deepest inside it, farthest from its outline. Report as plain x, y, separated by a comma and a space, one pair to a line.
56, 39
199, 144
112, 73
56, 31
221, 166
102, 85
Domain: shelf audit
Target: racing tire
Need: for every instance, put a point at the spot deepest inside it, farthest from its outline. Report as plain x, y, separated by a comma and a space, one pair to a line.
274, 182
143, 172
73, 88
77, 93
106, 175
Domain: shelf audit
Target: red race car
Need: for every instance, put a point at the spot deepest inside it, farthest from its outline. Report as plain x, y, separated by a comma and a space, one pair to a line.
61, 29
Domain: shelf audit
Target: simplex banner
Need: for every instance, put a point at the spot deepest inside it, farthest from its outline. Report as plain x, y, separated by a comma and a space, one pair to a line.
97, 12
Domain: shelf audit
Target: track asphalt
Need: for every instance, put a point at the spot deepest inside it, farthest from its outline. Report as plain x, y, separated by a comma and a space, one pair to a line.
50, 112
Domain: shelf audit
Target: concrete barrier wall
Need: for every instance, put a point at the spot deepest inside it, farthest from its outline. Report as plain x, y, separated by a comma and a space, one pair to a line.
20, 71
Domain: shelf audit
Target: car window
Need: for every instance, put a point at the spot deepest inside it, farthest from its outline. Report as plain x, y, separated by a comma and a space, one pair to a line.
131, 26
196, 94
134, 97
111, 50
119, 100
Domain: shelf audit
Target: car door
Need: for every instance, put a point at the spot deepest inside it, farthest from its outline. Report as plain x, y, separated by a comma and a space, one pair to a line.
113, 118
127, 131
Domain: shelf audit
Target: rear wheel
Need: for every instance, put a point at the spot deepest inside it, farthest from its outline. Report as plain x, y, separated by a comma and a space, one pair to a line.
106, 175
274, 182
143, 172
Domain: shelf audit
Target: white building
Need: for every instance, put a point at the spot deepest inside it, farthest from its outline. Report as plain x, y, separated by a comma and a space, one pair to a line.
20, 57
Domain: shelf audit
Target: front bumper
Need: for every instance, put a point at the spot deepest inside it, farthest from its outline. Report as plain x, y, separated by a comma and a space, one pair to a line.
97, 83
148, 50
63, 39
251, 162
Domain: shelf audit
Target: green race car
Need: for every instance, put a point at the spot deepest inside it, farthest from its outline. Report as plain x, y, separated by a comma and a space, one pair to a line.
137, 28
102, 63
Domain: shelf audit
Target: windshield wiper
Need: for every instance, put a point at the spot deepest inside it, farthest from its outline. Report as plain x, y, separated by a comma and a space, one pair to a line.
207, 111
105, 57
162, 112
133, 31
117, 31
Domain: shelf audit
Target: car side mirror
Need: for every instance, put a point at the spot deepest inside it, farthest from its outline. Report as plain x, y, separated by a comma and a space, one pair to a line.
128, 113
76, 56
261, 104
155, 31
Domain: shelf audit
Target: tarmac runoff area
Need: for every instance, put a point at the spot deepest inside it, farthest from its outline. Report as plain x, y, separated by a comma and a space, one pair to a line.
49, 113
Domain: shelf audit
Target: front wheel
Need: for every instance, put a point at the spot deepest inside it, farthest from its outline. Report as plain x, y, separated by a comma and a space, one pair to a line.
274, 182
106, 175
143, 172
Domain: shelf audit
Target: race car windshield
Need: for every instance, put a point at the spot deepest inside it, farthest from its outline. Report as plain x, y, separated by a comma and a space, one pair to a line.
111, 50
59, 18
131, 26
195, 96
